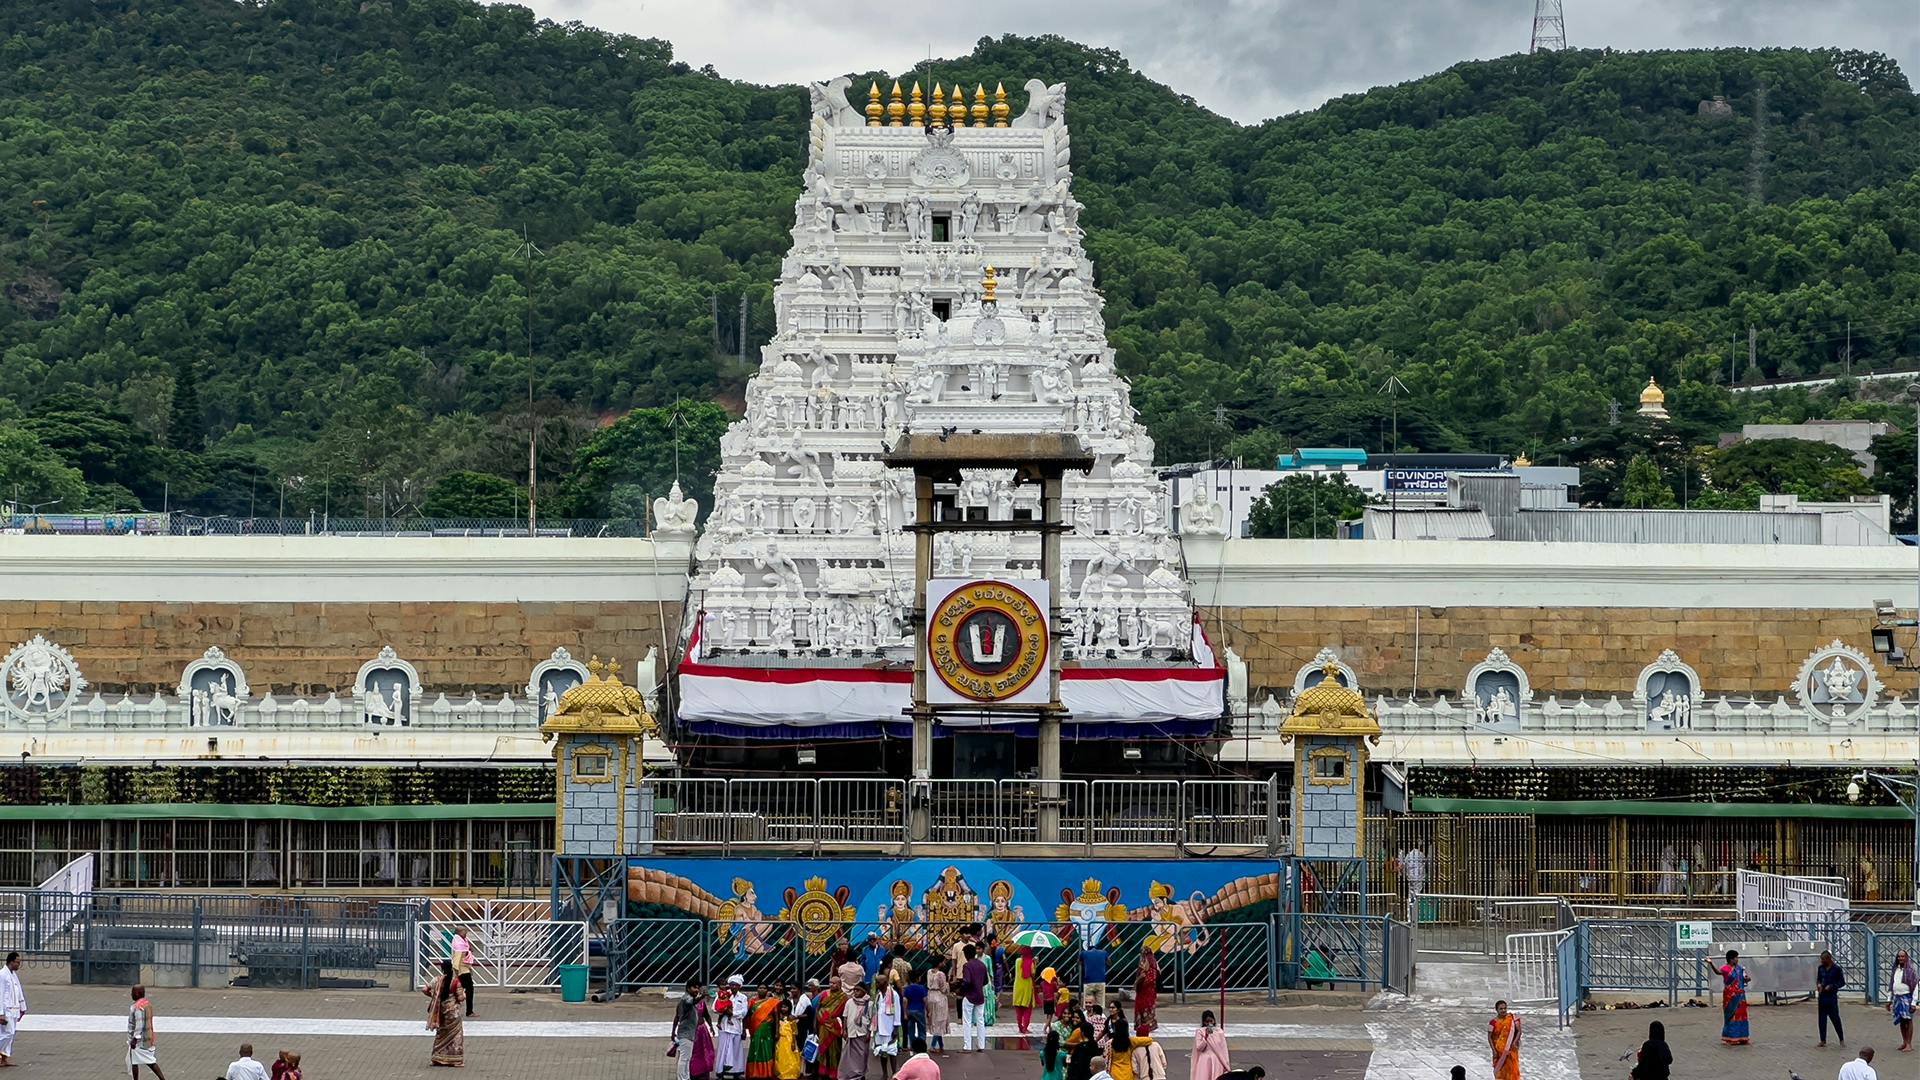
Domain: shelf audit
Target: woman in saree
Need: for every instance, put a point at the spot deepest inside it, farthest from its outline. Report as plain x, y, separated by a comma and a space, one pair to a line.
1146, 993
939, 1006
1503, 1038
763, 1033
990, 1008
446, 1012
830, 1027
1733, 1002
700, 1063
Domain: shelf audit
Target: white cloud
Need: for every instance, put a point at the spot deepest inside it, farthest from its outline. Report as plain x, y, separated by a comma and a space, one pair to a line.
1248, 59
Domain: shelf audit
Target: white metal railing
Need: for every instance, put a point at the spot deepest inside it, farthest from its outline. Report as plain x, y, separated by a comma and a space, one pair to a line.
507, 953
840, 812
1533, 968
1761, 895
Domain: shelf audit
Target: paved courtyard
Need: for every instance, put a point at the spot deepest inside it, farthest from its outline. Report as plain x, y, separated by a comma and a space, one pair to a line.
76, 1032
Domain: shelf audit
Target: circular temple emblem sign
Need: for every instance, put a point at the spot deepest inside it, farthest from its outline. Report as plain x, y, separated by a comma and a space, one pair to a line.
987, 642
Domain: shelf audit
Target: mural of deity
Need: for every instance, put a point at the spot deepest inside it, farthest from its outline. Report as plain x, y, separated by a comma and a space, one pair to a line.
1003, 916
948, 906
740, 927
1091, 916
900, 925
1178, 926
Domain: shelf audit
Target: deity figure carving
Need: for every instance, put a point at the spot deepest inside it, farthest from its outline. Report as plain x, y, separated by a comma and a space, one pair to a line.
805, 462
969, 216
782, 573
1046, 105
803, 514
674, 513
919, 219
1201, 516
829, 101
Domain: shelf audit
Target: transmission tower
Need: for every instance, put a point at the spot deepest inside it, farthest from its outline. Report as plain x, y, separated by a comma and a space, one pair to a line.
1549, 26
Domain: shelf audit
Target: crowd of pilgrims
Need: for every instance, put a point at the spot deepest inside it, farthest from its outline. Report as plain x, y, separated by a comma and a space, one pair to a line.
880, 1018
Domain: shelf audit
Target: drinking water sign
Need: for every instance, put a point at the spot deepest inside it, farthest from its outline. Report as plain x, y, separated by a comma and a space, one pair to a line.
1693, 935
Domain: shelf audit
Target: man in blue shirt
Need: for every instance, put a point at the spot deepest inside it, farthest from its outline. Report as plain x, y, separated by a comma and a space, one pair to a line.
872, 957
1827, 983
1093, 978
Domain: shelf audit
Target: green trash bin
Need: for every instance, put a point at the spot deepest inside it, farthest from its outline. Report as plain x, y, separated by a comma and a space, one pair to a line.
573, 982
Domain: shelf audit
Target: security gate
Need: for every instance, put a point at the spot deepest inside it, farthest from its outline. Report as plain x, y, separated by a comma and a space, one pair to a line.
519, 954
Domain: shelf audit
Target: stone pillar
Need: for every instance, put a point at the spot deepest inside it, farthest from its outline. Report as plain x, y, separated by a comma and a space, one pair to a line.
1049, 726
917, 797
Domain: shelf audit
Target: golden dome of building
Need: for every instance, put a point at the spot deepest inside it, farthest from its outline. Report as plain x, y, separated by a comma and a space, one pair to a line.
600, 703
1653, 400
1330, 708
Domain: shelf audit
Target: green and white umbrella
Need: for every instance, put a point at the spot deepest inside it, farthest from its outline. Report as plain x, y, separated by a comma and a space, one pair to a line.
1036, 939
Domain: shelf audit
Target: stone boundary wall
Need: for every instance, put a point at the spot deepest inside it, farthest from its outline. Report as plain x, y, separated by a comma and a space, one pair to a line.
1566, 651
311, 649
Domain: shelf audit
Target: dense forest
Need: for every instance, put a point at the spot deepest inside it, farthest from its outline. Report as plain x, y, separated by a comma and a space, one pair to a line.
275, 257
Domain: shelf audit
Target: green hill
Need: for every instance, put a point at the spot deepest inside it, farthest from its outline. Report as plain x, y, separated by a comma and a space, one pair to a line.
268, 254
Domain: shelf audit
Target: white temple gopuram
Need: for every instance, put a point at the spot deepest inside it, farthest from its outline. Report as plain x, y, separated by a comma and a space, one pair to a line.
936, 283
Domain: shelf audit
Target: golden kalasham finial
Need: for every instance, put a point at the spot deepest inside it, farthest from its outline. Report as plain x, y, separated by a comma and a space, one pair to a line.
987, 283
917, 109
595, 666
896, 108
1000, 106
875, 110
937, 112
979, 105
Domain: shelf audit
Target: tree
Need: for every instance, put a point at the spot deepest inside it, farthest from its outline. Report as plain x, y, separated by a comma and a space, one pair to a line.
468, 494
31, 474
1893, 474
1644, 488
1307, 504
636, 453
1815, 471
186, 427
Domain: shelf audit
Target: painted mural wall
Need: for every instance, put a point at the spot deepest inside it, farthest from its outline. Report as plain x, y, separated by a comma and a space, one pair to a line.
756, 906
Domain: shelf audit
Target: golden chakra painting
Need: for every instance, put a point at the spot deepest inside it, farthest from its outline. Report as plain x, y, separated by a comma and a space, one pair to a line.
817, 915
987, 641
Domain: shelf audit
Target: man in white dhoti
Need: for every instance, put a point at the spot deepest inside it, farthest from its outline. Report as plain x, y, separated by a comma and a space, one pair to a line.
730, 1055
140, 1037
13, 1006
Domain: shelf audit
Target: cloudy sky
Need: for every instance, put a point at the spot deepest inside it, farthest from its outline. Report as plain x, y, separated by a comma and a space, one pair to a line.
1248, 59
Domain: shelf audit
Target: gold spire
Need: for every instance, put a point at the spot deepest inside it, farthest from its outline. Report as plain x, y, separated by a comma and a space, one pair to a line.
917, 109
979, 105
896, 109
874, 109
937, 112
1000, 106
987, 283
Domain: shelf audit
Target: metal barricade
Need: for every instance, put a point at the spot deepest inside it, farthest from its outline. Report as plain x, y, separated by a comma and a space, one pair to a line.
1136, 812
1330, 950
776, 812
960, 811
861, 812
1459, 925
506, 954
761, 952
1230, 956
645, 953
1533, 965
690, 813
1228, 813
1025, 800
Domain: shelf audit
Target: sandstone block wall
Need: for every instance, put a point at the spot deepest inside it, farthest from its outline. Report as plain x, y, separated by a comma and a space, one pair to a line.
1595, 651
312, 649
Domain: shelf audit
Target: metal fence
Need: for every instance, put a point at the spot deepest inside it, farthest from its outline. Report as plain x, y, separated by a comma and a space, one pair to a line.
1633, 955
841, 813
509, 954
329, 525
1452, 924
184, 939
